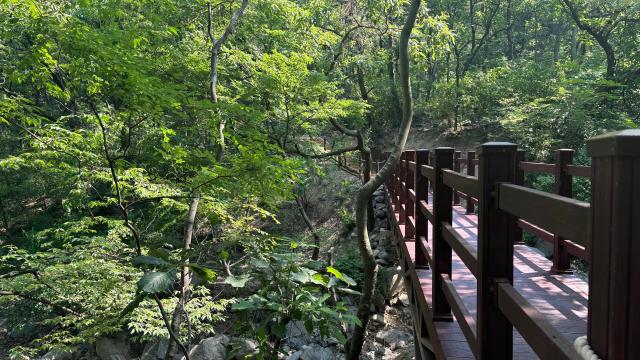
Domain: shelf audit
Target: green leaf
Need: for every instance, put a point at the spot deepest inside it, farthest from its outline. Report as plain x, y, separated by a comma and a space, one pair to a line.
203, 273
349, 281
132, 305
161, 253
348, 291
237, 281
143, 260
155, 282
279, 330
243, 305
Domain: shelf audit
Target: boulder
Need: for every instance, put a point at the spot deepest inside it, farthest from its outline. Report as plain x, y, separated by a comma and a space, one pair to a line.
57, 355
382, 262
313, 352
247, 349
392, 338
545, 248
394, 283
297, 335
379, 302
213, 348
379, 319
380, 214
155, 350
383, 237
113, 348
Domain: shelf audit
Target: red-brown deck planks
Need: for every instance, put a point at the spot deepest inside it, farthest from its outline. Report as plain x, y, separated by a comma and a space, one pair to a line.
563, 298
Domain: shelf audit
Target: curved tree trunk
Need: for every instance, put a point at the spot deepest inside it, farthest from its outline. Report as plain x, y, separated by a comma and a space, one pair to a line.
365, 192
213, 81
307, 221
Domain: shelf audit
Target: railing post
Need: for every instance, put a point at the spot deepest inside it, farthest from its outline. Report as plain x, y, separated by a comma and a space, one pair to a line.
402, 189
396, 185
471, 171
564, 187
442, 196
456, 167
410, 207
495, 249
422, 193
614, 247
517, 231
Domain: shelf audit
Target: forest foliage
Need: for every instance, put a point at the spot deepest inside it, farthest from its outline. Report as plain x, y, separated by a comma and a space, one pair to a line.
109, 136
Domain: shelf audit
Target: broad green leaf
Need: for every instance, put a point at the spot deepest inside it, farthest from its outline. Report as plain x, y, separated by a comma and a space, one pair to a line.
143, 260
349, 281
155, 282
203, 273
237, 281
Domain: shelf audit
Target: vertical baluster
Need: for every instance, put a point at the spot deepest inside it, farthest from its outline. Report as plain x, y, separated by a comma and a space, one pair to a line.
402, 190
456, 167
564, 187
422, 225
471, 171
410, 206
517, 231
442, 196
614, 247
495, 250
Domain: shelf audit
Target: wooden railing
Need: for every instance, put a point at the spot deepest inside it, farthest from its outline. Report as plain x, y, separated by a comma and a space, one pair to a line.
605, 232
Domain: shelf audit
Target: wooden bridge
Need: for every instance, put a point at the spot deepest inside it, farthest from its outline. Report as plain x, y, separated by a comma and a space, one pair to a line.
478, 292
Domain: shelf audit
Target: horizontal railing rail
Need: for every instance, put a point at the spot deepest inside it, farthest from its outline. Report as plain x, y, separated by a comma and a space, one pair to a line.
547, 211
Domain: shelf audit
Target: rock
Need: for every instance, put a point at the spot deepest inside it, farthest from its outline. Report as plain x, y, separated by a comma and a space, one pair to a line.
376, 252
382, 262
113, 348
380, 214
383, 237
213, 348
369, 355
297, 335
56, 355
248, 349
155, 350
313, 352
379, 318
380, 207
394, 283
389, 256
379, 302
391, 338
545, 248
404, 299
379, 198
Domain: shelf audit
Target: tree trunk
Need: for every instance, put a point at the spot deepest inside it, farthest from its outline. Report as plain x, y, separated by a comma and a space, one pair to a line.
574, 43
185, 277
510, 29
364, 193
366, 155
316, 238
393, 89
216, 45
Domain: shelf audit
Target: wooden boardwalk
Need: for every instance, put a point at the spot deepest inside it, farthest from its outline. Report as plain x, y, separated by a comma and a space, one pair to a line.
561, 298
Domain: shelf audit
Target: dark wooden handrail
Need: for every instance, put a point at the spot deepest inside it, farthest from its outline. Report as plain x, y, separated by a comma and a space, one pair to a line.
465, 251
537, 167
548, 211
543, 337
463, 183
428, 172
465, 319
